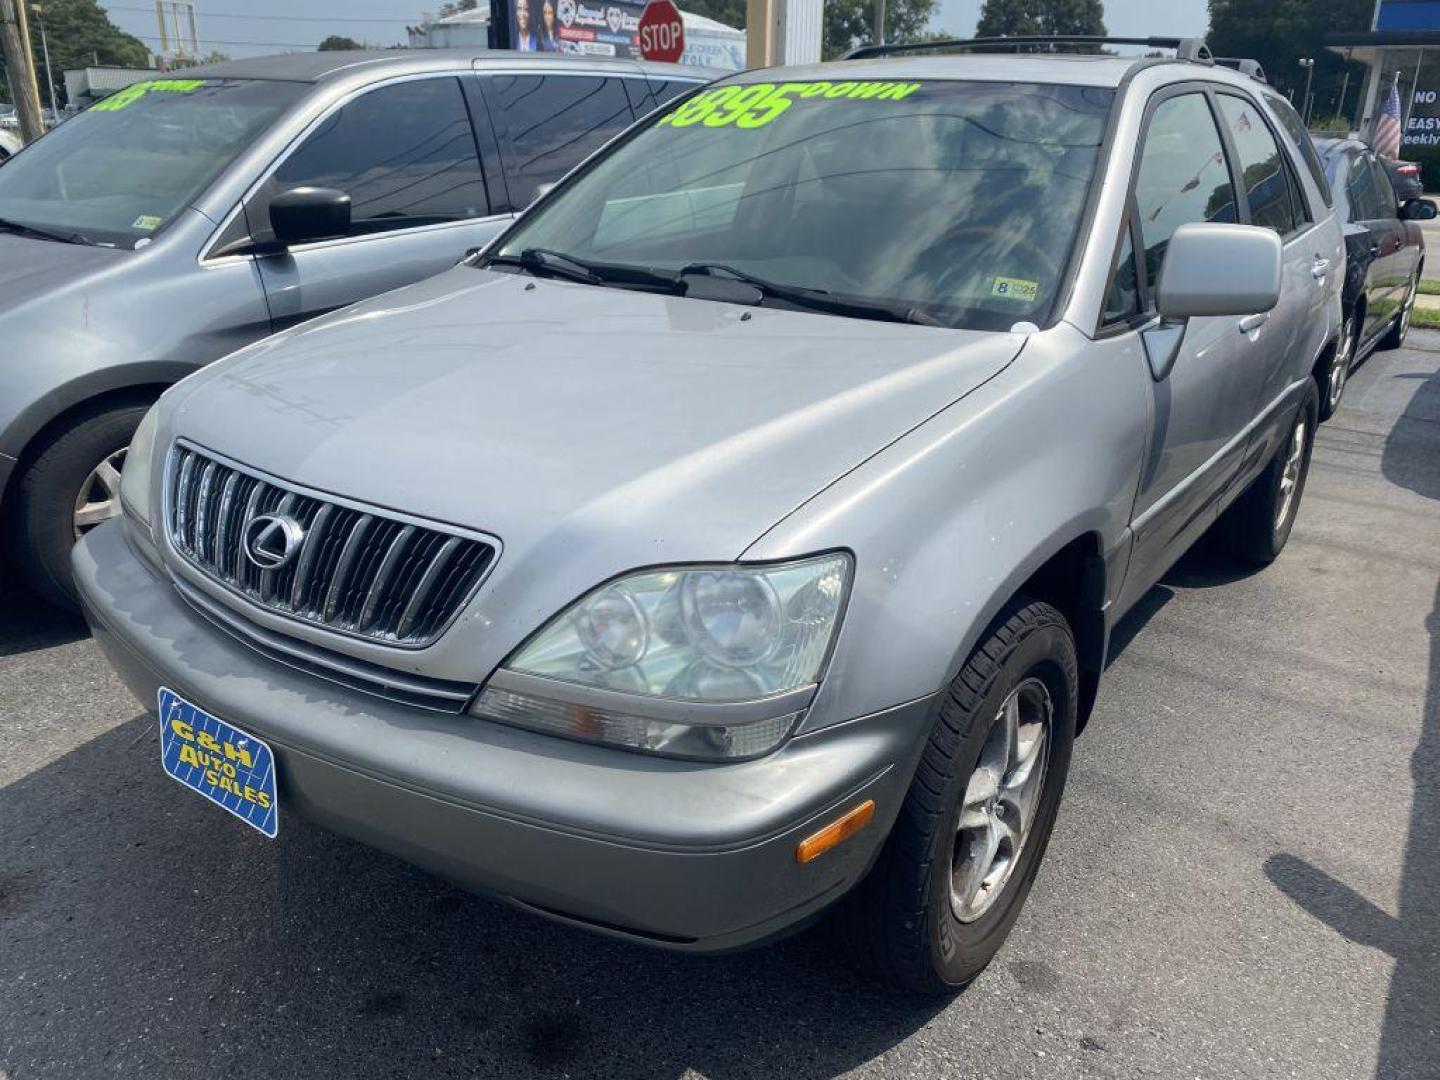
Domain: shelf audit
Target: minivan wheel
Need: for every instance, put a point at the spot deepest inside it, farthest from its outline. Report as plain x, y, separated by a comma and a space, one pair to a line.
1395, 336
1339, 372
1257, 526
956, 868
69, 488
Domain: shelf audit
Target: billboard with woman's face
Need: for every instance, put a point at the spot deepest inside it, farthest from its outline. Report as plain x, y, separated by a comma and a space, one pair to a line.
580, 27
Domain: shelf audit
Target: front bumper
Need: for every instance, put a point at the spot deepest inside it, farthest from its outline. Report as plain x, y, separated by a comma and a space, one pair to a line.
698, 857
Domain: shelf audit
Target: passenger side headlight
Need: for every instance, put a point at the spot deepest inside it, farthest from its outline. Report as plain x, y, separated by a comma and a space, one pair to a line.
698, 661
135, 476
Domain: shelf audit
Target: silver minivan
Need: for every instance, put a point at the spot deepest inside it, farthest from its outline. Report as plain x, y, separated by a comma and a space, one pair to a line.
183, 217
742, 532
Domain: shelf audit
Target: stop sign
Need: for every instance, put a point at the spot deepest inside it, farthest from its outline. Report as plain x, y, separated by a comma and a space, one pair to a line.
662, 34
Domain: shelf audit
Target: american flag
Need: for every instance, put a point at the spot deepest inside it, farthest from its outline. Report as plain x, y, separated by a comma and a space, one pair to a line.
1386, 139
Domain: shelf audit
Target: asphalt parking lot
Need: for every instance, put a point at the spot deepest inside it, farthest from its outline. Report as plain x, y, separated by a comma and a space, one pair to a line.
1244, 881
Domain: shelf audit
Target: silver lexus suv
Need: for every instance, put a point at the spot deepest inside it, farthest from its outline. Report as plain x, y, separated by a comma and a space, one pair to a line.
742, 532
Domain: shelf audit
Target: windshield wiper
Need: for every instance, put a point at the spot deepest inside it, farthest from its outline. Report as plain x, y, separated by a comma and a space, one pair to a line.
817, 299
557, 263
45, 234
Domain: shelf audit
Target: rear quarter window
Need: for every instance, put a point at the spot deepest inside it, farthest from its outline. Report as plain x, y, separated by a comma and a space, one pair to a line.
1290, 120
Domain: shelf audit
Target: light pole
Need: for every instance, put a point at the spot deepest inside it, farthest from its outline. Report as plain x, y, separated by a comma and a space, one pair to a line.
45, 51
1308, 63
879, 22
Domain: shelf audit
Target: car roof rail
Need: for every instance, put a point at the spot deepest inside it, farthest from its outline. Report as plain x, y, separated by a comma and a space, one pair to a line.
1244, 67
1193, 49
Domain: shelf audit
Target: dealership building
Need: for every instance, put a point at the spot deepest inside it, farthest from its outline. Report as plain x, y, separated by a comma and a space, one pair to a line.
1404, 41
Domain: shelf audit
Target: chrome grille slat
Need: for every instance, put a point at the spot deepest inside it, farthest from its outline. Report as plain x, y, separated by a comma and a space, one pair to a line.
378, 587
360, 572
422, 589
308, 554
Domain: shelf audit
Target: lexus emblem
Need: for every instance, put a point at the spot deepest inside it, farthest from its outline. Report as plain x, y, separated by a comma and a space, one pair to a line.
272, 540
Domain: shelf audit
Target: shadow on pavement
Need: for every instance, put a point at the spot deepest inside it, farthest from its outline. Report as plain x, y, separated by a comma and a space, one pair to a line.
132, 945
1410, 1038
27, 624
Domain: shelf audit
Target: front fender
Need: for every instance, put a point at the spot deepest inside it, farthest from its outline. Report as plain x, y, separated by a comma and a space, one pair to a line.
949, 521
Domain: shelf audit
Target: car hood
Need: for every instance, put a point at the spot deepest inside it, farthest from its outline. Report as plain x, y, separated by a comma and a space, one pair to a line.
561, 417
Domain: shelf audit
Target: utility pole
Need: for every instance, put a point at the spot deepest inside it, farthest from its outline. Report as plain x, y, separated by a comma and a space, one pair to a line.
1308, 63
45, 51
20, 64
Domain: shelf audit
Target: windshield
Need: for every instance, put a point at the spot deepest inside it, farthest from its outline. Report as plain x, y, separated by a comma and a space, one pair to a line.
120, 171
958, 201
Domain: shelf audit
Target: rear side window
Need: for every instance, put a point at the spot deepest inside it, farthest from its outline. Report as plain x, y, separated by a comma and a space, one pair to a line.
551, 123
1183, 176
1262, 167
404, 153
649, 94
1367, 190
1295, 128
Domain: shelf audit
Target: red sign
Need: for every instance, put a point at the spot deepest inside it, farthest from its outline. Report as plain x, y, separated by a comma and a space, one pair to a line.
662, 33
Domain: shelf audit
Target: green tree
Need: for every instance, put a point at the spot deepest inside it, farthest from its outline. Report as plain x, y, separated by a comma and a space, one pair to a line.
729, 12
849, 23
1013, 18
1280, 34
339, 43
80, 34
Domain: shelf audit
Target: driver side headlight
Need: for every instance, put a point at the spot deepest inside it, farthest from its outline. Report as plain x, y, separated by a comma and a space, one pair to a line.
135, 476
691, 661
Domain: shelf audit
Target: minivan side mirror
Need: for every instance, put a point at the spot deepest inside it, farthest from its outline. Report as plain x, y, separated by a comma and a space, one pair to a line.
1211, 268
304, 214
1418, 210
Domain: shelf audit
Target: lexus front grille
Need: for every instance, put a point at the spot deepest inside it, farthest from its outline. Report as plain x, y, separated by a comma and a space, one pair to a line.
348, 568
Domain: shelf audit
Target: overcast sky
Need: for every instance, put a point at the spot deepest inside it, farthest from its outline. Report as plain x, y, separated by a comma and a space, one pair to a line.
254, 27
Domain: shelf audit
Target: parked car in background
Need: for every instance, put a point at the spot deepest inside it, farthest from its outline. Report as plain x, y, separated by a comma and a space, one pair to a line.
742, 531
9, 145
1405, 178
181, 218
1384, 256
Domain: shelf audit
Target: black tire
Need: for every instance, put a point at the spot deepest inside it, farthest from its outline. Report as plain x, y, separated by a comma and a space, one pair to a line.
41, 524
1252, 527
1395, 336
1332, 380
900, 922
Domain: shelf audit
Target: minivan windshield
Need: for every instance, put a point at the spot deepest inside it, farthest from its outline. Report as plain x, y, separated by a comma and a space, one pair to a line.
124, 168
955, 202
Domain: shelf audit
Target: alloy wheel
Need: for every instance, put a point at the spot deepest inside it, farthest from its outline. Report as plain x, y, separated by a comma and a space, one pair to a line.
99, 496
1000, 802
1290, 477
1340, 369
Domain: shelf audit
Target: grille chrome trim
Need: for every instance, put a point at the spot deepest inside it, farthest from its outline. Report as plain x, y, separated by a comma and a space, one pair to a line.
438, 695
363, 572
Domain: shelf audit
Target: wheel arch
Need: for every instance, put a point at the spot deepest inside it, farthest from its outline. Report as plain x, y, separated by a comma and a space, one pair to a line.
38, 424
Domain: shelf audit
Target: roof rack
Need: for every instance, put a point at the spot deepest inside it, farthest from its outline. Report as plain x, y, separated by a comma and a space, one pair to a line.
1245, 67
1193, 49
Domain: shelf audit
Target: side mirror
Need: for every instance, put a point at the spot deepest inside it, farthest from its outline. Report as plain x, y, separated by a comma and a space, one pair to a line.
1211, 269
1418, 210
303, 214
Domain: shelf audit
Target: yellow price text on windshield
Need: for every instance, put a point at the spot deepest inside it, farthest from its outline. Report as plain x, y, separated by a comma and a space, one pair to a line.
757, 104
134, 92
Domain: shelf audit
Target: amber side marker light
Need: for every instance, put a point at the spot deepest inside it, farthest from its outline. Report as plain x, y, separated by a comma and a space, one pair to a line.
838, 831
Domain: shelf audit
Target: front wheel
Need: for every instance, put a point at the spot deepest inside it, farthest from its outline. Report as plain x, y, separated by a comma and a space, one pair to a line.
956, 868
69, 488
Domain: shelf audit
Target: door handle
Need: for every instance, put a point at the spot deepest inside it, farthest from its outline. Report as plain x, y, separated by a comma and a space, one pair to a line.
1251, 323
1319, 268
